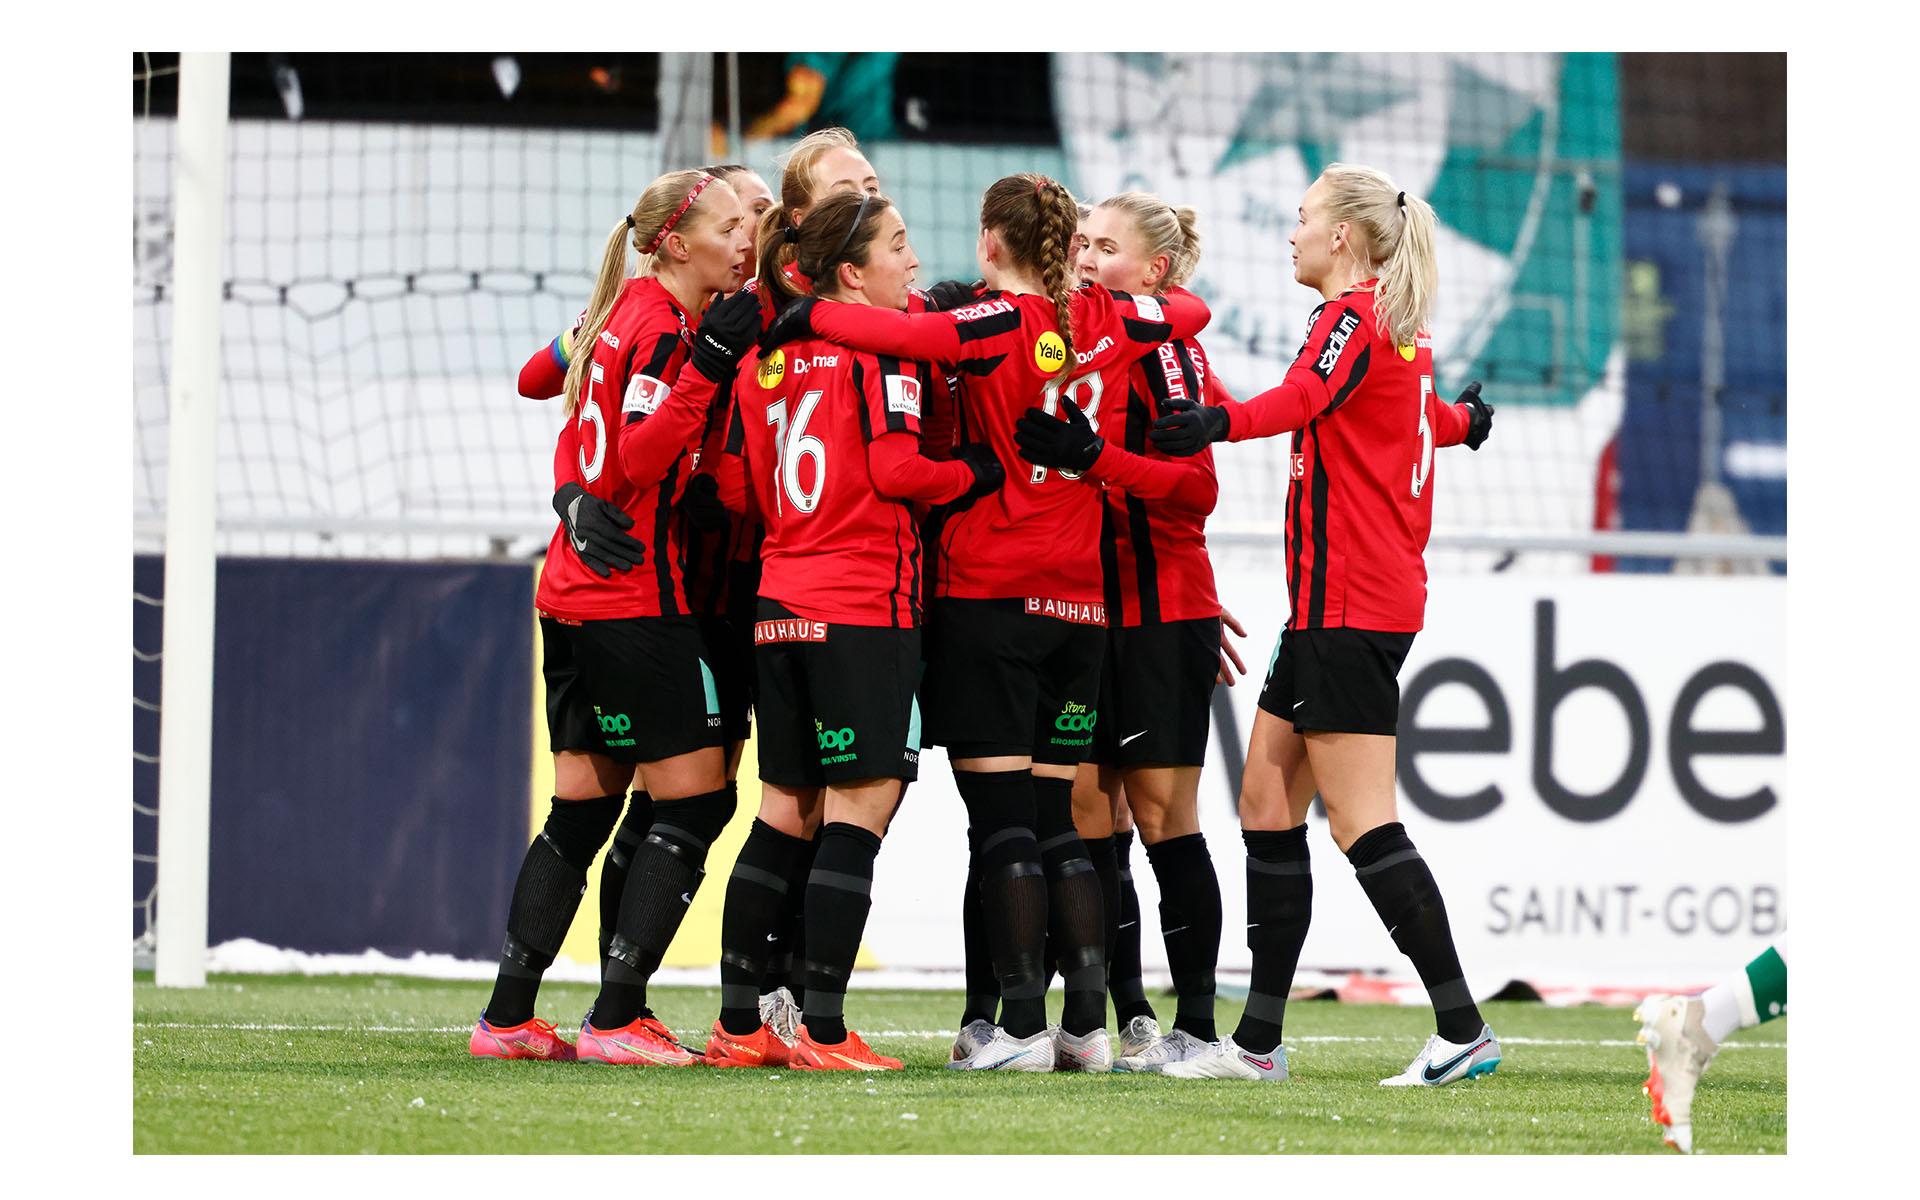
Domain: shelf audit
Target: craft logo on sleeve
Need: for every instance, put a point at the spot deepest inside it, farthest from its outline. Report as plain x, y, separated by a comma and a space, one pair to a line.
903, 395
645, 395
773, 368
1050, 352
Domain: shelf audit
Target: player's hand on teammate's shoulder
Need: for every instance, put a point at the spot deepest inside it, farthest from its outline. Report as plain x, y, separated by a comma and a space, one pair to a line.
791, 324
1189, 428
950, 294
1066, 441
1479, 415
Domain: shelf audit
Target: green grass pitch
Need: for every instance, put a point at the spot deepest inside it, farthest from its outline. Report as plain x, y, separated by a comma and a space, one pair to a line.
356, 1064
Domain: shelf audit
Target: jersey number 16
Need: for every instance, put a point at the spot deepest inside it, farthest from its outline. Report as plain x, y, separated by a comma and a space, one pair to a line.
791, 443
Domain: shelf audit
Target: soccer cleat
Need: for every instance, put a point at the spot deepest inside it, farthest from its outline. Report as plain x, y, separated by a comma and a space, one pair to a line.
976, 1034
761, 1048
1441, 1062
1091, 1052
644, 1043
1004, 1052
1678, 1051
779, 1012
1178, 1046
850, 1055
1226, 1059
529, 1039
1136, 1036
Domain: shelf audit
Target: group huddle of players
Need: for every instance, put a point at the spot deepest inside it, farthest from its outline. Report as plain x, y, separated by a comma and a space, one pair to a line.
880, 517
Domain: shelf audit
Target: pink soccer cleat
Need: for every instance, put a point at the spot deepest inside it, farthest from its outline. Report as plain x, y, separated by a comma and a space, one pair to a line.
529, 1039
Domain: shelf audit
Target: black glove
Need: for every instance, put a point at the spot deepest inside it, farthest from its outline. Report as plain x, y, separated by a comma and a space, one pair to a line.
1050, 441
1189, 428
728, 329
988, 474
1479, 415
597, 531
701, 503
950, 294
794, 322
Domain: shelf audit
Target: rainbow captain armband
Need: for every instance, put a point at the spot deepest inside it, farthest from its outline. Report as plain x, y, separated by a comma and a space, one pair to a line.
562, 349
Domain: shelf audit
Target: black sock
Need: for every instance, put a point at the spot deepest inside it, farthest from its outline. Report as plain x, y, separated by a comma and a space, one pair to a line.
613, 872
756, 901
1403, 892
786, 968
1107, 868
1013, 891
546, 894
666, 872
1123, 974
1279, 906
1076, 922
839, 894
983, 990
1190, 924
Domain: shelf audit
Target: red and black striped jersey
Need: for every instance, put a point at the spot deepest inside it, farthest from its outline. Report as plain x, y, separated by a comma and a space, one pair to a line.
1153, 548
1038, 536
1365, 423
831, 443
636, 362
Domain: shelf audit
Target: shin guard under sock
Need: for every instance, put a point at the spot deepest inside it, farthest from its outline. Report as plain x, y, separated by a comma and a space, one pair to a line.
1403, 892
1076, 921
983, 990
1279, 908
1013, 891
619, 860
756, 901
1123, 973
839, 895
1190, 924
546, 894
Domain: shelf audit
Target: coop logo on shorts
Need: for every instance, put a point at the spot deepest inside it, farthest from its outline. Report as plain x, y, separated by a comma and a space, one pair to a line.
614, 727
836, 745
773, 368
645, 394
903, 395
1337, 342
1074, 719
1050, 352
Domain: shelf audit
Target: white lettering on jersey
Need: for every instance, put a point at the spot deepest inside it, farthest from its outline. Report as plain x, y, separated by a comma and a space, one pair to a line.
1337, 341
974, 312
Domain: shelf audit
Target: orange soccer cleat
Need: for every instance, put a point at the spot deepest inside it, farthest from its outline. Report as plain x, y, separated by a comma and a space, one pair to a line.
529, 1039
850, 1055
761, 1048
644, 1043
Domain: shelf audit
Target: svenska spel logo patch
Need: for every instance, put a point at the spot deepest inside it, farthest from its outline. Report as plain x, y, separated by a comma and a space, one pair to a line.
903, 395
773, 368
1050, 352
645, 394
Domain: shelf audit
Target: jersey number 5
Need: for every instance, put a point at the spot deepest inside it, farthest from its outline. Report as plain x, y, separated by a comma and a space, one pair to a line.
1423, 462
590, 414
791, 443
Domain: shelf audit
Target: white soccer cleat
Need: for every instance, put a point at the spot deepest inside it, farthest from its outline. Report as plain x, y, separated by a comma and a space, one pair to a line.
780, 1013
1225, 1059
1440, 1062
1178, 1046
1004, 1052
1091, 1052
1678, 1051
1136, 1036
974, 1035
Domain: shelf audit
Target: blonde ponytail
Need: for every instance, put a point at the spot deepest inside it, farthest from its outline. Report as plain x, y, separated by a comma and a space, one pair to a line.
606, 286
1396, 243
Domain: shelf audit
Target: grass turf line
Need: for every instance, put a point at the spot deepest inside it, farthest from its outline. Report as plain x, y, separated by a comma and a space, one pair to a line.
295, 1064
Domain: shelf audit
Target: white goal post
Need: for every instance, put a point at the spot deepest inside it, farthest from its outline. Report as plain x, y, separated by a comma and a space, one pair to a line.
186, 664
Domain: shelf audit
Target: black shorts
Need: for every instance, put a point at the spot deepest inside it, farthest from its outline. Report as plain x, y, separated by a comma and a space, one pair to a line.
571, 723
644, 682
836, 702
1001, 680
731, 658
1336, 680
1156, 694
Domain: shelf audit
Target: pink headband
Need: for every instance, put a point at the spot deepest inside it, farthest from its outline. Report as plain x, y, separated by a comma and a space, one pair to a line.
678, 213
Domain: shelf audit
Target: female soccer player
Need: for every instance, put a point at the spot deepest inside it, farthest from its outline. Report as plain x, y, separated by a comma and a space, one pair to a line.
1683, 1033
1163, 620
1014, 642
831, 443
637, 649
1359, 401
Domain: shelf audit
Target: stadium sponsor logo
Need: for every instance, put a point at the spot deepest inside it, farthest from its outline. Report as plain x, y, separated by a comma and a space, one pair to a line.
773, 368
903, 395
792, 630
988, 308
1094, 613
1050, 352
1337, 342
1170, 368
1083, 357
645, 395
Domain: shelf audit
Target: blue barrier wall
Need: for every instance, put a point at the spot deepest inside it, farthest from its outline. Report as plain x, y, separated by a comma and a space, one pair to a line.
371, 751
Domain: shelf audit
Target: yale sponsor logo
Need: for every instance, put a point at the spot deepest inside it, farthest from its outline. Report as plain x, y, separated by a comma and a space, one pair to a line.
1050, 352
773, 368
